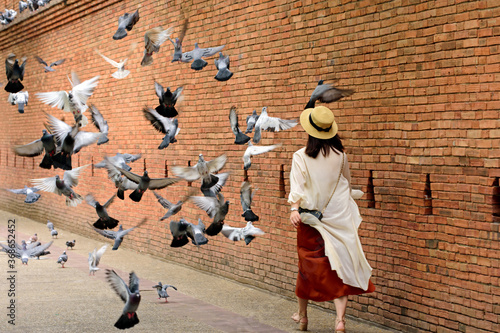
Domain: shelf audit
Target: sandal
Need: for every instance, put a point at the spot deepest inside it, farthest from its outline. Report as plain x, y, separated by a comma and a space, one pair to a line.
337, 322
300, 319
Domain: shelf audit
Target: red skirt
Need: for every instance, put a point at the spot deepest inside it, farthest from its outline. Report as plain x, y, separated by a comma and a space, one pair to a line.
316, 280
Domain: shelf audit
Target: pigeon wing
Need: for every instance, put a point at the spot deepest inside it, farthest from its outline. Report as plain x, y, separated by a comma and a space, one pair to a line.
110, 201
208, 204
89, 198
98, 120
106, 233
118, 285
17, 191
39, 249
129, 158
257, 150
58, 62
233, 234
159, 183
71, 176
159, 90
155, 119
58, 99
40, 60
31, 149
133, 283
84, 90
164, 202
58, 127
112, 62
46, 184
132, 176
83, 139
217, 163
188, 173
99, 253
210, 51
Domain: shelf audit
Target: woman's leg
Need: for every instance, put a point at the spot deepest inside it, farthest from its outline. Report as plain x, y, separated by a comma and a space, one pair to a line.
302, 306
340, 307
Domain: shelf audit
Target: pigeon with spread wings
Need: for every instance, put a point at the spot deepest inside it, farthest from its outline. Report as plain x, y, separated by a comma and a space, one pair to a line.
125, 23
172, 208
129, 295
46, 143
167, 126
216, 208
105, 221
153, 40
94, 259
326, 93
178, 42
21, 99
167, 100
121, 183
15, 73
121, 73
120, 160
271, 124
197, 54
255, 150
183, 230
202, 169
47, 67
29, 192
247, 233
162, 290
117, 236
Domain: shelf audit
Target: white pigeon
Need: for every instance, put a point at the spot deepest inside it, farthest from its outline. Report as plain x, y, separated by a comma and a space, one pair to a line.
271, 124
121, 72
247, 233
20, 98
94, 258
255, 150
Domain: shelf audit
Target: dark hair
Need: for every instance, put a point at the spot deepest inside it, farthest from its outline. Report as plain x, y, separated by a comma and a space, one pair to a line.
315, 145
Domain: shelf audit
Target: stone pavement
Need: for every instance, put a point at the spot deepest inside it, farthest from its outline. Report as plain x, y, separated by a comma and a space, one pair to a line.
49, 298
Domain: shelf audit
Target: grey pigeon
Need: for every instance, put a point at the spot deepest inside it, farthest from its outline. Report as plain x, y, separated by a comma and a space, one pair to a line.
121, 183
216, 208
126, 22
212, 191
120, 160
47, 142
21, 99
197, 54
62, 186
94, 258
101, 124
50, 225
222, 65
129, 295
146, 183
47, 67
15, 73
247, 233
167, 100
105, 221
246, 197
326, 93
71, 244
117, 236
8, 16
241, 138
255, 150
271, 124
153, 39
162, 290
22, 6
183, 230
63, 258
202, 169
164, 125
54, 233
251, 120
29, 192
178, 42
25, 252
172, 208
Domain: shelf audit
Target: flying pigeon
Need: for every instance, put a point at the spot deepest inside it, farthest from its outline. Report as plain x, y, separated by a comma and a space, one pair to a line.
162, 290
105, 221
120, 160
164, 125
212, 191
153, 39
20, 98
216, 208
202, 169
167, 100
251, 120
62, 186
172, 209
15, 73
146, 183
101, 124
24, 252
121, 183
197, 54
326, 93
178, 42
255, 150
126, 22
48, 68
241, 138
117, 236
130, 296
246, 197
70, 244
47, 142
222, 65
29, 192
94, 258
63, 258
272, 124
247, 233
183, 230
121, 73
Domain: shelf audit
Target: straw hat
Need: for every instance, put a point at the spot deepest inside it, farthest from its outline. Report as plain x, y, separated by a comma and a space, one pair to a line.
319, 122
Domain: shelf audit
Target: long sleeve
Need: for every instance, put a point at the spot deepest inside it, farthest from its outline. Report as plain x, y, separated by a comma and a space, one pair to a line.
297, 180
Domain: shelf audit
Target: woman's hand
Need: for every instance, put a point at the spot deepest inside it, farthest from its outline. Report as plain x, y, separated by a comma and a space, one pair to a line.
295, 218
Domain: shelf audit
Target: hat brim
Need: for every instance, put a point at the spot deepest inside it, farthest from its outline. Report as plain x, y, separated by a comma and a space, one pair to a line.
306, 125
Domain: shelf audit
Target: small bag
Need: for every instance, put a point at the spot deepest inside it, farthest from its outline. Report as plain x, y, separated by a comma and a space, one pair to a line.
316, 213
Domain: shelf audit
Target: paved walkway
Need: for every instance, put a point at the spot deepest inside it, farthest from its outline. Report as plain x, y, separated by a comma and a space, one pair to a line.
49, 298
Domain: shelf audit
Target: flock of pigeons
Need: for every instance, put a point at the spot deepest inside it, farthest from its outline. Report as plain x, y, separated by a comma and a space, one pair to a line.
9, 14
60, 141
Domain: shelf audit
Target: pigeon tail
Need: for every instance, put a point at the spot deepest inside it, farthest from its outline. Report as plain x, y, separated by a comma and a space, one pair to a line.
248, 239
166, 111
241, 138
46, 162
20, 107
120, 33
166, 141
120, 74
125, 321
257, 135
214, 228
311, 104
32, 197
198, 64
213, 180
199, 239
250, 216
110, 224
120, 194
179, 242
14, 86
136, 195
223, 75
103, 139
62, 161
147, 59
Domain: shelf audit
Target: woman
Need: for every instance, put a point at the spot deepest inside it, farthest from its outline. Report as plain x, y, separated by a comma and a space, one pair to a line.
332, 264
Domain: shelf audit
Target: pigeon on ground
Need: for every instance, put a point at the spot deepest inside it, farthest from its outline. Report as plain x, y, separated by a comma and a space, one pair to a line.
130, 296
20, 98
71, 244
121, 73
121, 183
15, 73
22, 6
48, 68
162, 290
105, 221
241, 138
153, 39
54, 233
251, 120
120, 160
63, 258
172, 208
178, 42
62, 186
255, 150
8, 16
212, 191
94, 258
126, 22
47, 142
101, 124
197, 54
202, 169
50, 225
33, 239
29, 192
164, 125
117, 236
167, 100
216, 208
246, 197
271, 124
146, 183
326, 93
24, 252
183, 230
247, 233
222, 65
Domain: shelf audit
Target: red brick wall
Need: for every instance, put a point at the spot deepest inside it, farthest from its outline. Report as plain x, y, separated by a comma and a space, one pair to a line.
423, 121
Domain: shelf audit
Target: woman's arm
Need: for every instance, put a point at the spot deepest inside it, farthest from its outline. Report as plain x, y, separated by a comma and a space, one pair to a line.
294, 214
